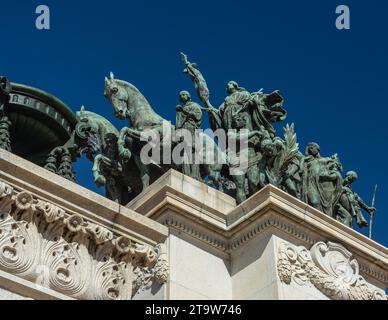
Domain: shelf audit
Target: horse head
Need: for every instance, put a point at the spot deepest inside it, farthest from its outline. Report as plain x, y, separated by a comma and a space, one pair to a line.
129, 103
93, 132
118, 96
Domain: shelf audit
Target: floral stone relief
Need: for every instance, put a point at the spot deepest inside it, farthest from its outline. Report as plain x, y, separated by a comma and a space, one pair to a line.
329, 268
43, 243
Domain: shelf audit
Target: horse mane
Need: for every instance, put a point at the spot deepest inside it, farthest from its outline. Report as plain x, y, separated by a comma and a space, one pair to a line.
146, 106
94, 117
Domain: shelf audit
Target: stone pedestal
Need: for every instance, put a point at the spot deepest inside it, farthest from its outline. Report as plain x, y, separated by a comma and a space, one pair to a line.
61, 241
180, 239
272, 246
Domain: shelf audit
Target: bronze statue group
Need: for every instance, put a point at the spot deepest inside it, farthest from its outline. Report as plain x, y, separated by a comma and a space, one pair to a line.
310, 177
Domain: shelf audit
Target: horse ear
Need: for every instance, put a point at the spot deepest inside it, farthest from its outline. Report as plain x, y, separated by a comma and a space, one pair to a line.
82, 112
112, 76
106, 79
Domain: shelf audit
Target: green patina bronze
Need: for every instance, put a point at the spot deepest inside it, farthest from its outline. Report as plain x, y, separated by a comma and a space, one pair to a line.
189, 117
350, 203
129, 103
42, 129
5, 123
33, 121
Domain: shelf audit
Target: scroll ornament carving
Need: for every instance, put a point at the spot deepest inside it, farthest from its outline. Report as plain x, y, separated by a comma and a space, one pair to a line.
159, 272
113, 280
327, 267
17, 237
43, 243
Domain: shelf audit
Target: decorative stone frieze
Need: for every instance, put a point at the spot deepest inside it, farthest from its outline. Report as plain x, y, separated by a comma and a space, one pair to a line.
214, 222
43, 243
329, 268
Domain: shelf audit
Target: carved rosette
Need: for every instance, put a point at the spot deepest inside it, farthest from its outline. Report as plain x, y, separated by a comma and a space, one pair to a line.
43, 243
329, 268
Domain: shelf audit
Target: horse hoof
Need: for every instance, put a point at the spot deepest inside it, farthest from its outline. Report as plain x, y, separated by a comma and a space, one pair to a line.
100, 181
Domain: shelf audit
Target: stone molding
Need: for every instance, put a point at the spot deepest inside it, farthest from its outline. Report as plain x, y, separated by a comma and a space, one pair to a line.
230, 244
92, 228
329, 268
227, 245
43, 243
24, 175
170, 202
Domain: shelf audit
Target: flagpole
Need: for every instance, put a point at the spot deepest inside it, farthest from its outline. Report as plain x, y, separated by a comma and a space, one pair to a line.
373, 213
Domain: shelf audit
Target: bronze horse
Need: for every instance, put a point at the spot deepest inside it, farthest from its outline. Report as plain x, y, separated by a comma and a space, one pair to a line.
129, 103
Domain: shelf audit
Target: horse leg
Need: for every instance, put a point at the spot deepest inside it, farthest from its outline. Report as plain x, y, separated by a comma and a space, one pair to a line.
144, 173
98, 177
124, 152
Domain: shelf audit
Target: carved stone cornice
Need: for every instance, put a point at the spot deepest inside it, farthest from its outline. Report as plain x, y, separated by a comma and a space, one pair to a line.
43, 243
329, 268
215, 240
373, 272
258, 228
189, 207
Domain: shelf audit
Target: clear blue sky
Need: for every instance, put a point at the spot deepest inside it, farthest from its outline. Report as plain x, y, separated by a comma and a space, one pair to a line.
334, 82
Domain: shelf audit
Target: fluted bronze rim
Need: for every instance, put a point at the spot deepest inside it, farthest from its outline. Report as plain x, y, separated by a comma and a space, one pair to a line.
48, 98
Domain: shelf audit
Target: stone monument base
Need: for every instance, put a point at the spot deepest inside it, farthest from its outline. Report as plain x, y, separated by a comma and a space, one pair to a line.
179, 239
272, 246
